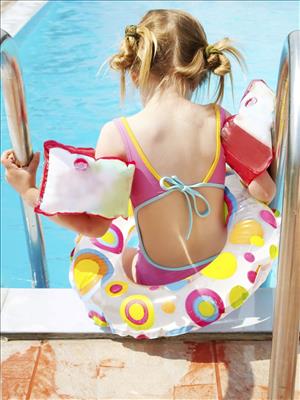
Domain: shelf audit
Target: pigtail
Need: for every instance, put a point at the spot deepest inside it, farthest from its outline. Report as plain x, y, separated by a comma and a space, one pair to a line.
171, 46
125, 59
146, 53
219, 64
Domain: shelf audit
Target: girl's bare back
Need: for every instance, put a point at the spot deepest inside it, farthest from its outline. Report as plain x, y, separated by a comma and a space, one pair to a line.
179, 138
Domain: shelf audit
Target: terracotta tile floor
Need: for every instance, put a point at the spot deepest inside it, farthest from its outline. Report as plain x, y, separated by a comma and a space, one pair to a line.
126, 369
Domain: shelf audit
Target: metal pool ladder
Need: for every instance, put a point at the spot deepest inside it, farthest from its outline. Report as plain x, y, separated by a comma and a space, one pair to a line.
285, 169
17, 119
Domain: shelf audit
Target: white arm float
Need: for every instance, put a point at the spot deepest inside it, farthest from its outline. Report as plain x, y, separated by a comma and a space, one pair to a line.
75, 182
246, 137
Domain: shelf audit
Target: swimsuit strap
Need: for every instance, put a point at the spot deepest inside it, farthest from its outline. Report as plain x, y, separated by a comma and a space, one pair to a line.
222, 115
144, 185
125, 139
171, 183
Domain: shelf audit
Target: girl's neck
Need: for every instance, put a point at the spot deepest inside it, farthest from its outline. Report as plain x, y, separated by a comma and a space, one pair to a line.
157, 98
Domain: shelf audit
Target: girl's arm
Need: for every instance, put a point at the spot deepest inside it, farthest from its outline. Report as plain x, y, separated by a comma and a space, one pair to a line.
87, 225
22, 179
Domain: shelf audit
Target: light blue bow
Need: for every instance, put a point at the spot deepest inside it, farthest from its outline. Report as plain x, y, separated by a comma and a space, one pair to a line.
171, 183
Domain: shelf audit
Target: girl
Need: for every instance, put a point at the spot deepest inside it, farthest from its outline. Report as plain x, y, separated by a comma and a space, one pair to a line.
178, 186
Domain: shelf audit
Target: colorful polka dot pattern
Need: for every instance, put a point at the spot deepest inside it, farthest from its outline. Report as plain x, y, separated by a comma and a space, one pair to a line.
168, 307
257, 241
249, 256
112, 241
251, 276
146, 312
89, 268
273, 251
98, 318
116, 288
268, 217
204, 306
223, 267
238, 294
138, 312
243, 231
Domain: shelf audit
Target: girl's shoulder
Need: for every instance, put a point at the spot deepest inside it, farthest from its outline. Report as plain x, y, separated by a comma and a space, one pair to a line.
110, 143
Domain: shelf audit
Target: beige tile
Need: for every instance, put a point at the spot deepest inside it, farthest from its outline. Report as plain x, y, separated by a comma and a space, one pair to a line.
201, 367
111, 369
244, 369
157, 369
239, 378
18, 360
10, 347
195, 392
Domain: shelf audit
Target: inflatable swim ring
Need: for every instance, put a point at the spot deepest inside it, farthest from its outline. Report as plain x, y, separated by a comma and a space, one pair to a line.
118, 305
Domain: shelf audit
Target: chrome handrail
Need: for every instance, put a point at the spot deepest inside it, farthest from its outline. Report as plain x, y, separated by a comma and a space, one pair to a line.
18, 126
286, 170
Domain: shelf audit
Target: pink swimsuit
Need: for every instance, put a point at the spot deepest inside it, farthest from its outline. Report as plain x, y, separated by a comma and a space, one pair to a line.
148, 186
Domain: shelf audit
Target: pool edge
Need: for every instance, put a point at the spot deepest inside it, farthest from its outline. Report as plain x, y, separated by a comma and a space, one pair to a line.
17, 15
60, 312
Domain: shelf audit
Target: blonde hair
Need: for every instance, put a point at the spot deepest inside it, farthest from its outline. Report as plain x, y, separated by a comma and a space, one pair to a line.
171, 46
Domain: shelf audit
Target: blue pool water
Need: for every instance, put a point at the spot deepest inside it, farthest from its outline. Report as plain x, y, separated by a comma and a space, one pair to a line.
61, 50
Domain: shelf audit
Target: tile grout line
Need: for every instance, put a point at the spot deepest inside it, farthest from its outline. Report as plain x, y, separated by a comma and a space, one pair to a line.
217, 371
30, 386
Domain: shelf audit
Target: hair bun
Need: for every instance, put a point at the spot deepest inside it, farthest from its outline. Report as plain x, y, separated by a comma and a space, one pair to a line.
217, 62
130, 31
211, 49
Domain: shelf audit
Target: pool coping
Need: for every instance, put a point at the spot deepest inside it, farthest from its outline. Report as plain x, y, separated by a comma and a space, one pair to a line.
54, 312
15, 16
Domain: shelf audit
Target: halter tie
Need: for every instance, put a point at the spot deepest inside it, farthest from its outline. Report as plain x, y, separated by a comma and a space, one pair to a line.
171, 183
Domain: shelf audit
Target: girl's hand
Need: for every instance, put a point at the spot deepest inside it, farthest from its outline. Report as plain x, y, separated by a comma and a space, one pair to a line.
263, 188
20, 178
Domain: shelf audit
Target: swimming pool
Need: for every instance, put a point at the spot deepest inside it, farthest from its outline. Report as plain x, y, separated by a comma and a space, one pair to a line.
60, 53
